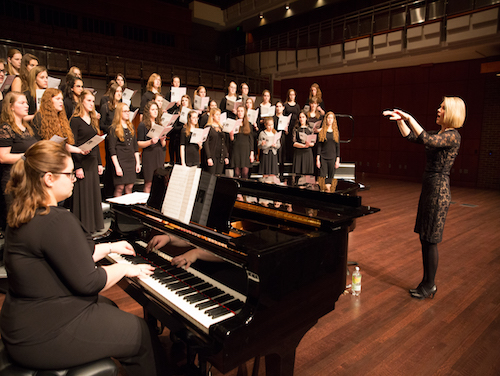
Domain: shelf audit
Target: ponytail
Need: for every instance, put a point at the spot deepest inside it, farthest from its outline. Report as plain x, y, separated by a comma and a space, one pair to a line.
26, 185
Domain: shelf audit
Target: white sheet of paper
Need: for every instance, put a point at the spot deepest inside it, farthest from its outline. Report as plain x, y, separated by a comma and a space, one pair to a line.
311, 138
201, 103
176, 93
166, 105
128, 94
158, 130
284, 122
252, 115
181, 193
168, 119
183, 116
199, 135
54, 83
315, 124
228, 125
223, 117
39, 94
267, 111
237, 126
130, 199
93, 142
133, 115
57, 138
128, 102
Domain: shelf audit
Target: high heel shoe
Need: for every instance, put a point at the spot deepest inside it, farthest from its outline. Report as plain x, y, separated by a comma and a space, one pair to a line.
422, 293
413, 291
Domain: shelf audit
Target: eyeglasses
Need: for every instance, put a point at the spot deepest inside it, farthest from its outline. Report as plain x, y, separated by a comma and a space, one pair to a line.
70, 175
2, 70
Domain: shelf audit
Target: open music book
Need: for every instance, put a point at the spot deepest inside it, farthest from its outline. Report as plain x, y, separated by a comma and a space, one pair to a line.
91, 143
252, 115
199, 135
189, 195
158, 130
53, 82
284, 122
176, 93
201, 103
168, 119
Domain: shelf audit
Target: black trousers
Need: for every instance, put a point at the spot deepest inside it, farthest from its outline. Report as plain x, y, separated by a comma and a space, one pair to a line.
327, 169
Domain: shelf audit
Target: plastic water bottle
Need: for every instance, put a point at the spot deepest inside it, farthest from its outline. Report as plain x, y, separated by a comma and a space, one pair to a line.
356, 282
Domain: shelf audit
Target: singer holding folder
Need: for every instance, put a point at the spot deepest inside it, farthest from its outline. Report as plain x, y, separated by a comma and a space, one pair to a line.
86, 203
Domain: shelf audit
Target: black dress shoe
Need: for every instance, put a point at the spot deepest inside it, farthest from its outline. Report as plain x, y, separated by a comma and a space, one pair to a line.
422, 293
413, 291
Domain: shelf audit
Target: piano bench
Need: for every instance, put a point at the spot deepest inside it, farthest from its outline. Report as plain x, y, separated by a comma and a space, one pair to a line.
102, 367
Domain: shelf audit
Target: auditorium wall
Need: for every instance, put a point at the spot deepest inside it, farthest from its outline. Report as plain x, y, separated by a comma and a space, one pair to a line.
377, 147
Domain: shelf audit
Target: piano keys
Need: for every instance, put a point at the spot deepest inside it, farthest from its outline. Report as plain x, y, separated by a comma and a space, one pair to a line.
283, 254
194, 295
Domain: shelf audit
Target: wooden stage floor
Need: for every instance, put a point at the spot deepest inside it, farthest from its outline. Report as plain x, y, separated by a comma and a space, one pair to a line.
384, 331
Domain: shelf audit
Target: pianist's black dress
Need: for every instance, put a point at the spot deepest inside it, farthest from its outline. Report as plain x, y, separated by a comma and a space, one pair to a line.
52, 316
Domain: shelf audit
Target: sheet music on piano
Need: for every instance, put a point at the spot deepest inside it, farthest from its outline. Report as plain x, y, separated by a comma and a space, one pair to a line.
181, 193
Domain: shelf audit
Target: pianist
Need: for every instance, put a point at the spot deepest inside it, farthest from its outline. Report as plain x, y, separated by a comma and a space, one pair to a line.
53, 317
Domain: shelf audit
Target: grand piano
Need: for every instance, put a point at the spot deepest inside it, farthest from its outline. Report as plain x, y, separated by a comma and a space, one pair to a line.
283, 252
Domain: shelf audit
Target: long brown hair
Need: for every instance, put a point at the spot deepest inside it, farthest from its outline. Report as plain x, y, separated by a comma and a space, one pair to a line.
245, 127
80, 111
53, 122
8, 115
318, 92
10, 54
24, 72
111, 97
146, 116
26, 180
324, 128
116, 126
188, 128
32, 79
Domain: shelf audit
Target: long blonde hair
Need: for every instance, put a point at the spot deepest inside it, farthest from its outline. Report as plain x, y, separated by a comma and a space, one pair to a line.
211, 120
80, 111
324, 128
26, 180
116, 126
8, 115
53, 122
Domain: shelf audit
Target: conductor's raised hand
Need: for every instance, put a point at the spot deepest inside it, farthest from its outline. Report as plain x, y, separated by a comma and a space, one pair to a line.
392, 114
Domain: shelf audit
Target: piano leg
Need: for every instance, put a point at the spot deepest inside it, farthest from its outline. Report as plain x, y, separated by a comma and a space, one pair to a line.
280, 364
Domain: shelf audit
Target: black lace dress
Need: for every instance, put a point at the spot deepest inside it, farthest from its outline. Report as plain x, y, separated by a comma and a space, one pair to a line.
441, 151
